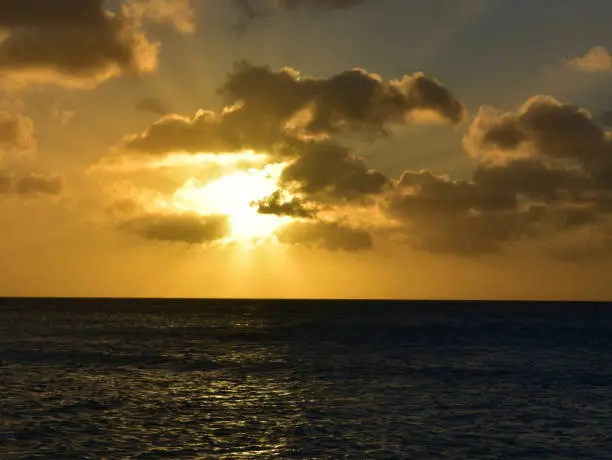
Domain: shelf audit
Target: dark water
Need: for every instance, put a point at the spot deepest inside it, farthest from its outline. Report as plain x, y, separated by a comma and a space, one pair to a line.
163, 379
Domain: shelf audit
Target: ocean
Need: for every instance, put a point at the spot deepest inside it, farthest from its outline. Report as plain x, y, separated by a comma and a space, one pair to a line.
165, 379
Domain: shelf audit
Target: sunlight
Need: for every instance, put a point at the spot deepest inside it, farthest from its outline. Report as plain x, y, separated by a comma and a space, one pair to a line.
233, 196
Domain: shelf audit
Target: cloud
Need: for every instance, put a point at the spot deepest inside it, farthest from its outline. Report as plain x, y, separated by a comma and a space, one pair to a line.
78, 43
544, 172
16, 132
204, 133
275, 204
71, 43
328, 235
531, 178
31, 185
272, 112
543, 127
597, 59
438, 214
152, 105
328, 168
177, 13
353, 100
189, 228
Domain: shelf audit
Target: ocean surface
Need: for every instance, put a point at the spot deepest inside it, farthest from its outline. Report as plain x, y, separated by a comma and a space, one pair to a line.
161, 379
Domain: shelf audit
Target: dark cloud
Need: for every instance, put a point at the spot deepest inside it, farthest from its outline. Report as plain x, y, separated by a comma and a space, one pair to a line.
530, 177
353, 100
441, 215
499, 206
329, 168
78, 42
328, 235
271, 112
152, 105
187, 228
205, 132
31, 185
34, 13
546, 170
543, 127
275, 204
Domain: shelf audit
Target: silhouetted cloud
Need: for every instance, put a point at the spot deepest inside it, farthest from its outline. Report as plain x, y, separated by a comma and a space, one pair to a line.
275, 204
545, 171
152, 105
597, 59
270, 111
353, 100
80, 43
329, 168
543, 127
328, 235
187, 228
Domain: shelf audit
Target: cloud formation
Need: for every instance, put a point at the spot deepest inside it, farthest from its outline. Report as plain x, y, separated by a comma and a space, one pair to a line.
545, 171
328, 168
299, 122
353, 100
79, 43
31, 185
542, 127
189, 228
597, 59
269, 111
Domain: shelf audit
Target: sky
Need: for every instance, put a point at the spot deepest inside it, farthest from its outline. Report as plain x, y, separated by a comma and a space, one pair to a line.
396, 149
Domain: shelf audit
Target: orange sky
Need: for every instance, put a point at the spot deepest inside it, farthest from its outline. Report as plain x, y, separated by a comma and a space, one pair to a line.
183, 148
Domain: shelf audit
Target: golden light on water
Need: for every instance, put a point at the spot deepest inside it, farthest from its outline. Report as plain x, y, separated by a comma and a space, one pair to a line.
233, 195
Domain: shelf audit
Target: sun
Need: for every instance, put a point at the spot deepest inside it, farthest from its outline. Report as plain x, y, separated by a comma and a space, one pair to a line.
233, 195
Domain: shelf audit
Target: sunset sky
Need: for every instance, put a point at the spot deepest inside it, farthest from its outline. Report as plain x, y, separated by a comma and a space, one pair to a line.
306, 148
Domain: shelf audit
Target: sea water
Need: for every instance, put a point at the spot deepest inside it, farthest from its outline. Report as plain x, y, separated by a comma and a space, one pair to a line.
246, 379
